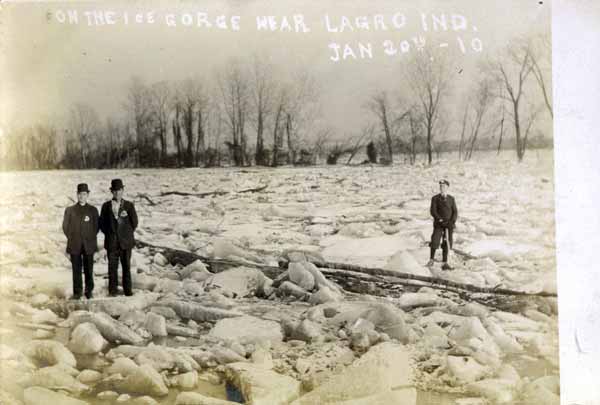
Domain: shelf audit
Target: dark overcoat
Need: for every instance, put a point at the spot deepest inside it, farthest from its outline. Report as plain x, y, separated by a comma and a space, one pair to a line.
444, 211
80, 226
118, 232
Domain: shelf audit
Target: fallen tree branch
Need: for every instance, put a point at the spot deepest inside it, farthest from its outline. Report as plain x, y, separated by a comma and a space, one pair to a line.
175, 256
211, 193
199, 195
253, 190
183, 258
145, 197
431, 280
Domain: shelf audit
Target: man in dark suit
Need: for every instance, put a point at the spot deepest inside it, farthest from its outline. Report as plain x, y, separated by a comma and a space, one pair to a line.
118, 221
80, 226
444, 212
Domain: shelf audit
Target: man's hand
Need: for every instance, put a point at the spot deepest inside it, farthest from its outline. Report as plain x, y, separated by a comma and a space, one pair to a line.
446, 224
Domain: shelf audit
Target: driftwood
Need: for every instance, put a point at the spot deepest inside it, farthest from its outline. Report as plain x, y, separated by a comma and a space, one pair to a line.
199, 195
145, 197
253, 190
212, 193
339, 271
183, 258
430, 280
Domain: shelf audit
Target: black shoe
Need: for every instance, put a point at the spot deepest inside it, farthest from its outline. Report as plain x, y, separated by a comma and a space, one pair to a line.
446, 266
89, 295
129, 294
75, 297
113, 294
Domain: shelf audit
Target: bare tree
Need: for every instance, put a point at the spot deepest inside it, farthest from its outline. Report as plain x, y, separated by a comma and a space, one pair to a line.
534, 113
513, 74
115, 143
213, 130
193, 102
139, 105
111, 132
84, 124
415, 124
44, 152
502, 115
30, 147
300, 110
482, 100
281, 103
202, 120
177, 107
541, 61
428, 75
263, 89
234, 88
160, 108
360, 140
380, 105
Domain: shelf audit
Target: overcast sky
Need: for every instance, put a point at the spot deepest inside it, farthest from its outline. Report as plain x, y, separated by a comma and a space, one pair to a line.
49, 65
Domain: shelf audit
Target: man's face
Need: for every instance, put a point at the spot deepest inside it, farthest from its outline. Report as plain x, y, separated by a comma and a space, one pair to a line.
82, 197
118, 194
443, 188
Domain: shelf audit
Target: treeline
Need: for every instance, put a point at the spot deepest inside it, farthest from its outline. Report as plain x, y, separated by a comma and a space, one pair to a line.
252, 114
507, 96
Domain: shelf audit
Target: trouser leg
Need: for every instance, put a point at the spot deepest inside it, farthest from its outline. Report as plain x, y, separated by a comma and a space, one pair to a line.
436, 236
445, 251
125, 266
77, 281
88, 271
113, 267
447, 245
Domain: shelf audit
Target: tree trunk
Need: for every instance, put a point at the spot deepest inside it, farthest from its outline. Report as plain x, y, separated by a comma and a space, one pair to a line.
177, 135
288, 130
518, 132
274, 161
259, 155
388, 136
429, 144
200, 141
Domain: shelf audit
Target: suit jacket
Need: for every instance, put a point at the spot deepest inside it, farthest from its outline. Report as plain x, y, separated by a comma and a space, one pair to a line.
118, 232
80, 226
443, 211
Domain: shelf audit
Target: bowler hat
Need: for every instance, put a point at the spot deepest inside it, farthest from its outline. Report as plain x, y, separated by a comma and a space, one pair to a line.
116, 184
444, 181
82, 188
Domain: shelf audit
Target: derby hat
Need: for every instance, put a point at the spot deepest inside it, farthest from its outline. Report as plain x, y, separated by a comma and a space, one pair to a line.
116, 184
82, 188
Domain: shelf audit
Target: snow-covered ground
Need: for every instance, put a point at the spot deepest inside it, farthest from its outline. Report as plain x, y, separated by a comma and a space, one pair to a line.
364, 215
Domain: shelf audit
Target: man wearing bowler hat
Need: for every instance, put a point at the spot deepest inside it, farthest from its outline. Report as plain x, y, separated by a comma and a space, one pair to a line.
444, 212
80, 226
118, 221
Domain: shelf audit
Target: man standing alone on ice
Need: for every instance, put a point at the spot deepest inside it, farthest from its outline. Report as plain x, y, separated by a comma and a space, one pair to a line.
444, 213
118, 221
80, 226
